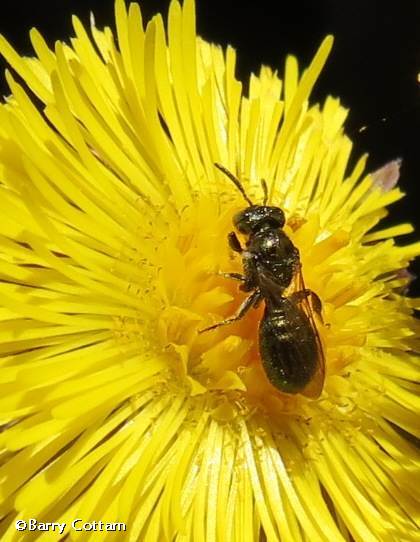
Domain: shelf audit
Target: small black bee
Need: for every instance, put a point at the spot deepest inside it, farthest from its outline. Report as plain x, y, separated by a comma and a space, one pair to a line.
289, 343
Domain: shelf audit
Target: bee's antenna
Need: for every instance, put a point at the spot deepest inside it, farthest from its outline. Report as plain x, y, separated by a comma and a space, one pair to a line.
265, 190
235, 181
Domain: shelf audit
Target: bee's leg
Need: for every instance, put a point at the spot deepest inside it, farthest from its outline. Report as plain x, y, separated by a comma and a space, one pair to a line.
297, 297
316, 303
247, 284
234, 242
234, 276
247, 304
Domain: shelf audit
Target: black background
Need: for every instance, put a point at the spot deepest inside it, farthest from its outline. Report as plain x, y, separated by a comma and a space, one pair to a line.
373, 67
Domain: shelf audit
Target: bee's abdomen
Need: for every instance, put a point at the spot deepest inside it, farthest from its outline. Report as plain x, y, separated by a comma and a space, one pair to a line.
288, 347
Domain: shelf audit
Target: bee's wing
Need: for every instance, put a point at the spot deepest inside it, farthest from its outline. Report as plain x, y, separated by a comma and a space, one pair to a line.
314, 388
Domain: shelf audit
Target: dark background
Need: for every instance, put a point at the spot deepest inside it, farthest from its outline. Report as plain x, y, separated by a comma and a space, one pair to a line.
373, 67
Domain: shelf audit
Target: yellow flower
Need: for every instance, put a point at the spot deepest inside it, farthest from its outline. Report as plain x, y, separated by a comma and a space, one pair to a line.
113, 239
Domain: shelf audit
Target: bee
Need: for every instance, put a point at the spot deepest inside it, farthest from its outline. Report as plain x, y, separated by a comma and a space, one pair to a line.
290, 347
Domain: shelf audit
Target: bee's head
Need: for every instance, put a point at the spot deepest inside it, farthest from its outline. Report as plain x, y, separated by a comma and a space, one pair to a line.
257, 217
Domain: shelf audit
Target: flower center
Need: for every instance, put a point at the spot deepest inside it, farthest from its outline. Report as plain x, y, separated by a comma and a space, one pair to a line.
195, 294
192, 258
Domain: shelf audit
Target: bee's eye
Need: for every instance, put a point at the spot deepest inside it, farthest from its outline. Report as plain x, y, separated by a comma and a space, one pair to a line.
243, 227
242, 222
277, 217
273, 223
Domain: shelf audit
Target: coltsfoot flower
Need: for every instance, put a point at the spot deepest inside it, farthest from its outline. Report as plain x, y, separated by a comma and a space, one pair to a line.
113, 240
